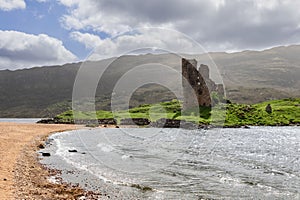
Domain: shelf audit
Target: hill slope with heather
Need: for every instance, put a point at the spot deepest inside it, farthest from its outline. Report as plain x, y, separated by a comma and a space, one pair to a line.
248, 76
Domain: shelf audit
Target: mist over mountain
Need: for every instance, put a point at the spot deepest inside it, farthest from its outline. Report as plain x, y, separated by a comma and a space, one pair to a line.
248, 77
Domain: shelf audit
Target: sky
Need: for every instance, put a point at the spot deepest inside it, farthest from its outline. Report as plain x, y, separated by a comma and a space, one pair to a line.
51, 32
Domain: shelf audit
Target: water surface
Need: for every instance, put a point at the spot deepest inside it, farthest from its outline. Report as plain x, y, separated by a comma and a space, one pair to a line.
20, 120
256, 163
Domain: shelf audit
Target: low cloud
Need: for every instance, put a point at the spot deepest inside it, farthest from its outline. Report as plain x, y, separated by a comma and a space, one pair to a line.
144, 40
217, 24
21, 50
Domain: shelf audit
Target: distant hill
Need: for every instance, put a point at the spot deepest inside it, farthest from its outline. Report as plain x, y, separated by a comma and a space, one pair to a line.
249, 77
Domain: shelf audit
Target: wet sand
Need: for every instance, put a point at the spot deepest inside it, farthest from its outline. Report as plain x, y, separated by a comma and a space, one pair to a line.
21, 174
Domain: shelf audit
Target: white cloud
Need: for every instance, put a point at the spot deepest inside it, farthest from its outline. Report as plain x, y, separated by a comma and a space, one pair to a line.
237, 24
8, 5
21, 50
42, 1
69, 2
164, 40
89, 40
102, 16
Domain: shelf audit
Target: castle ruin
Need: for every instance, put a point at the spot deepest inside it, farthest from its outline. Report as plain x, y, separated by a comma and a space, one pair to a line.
198, 81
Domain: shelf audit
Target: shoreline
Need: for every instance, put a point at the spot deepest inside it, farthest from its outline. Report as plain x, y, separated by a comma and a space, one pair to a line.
22, 175
26, 177
171, 123
82, 174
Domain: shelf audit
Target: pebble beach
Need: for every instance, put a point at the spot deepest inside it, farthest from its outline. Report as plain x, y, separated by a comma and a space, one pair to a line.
21, 174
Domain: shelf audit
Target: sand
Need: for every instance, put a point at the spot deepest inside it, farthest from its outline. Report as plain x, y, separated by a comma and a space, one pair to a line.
21, 174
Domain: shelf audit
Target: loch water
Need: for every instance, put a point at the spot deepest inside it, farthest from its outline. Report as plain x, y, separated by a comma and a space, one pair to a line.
153, 163
20, 120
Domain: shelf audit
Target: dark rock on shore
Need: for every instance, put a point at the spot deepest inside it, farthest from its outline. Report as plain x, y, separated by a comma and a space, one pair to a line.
107, 121
46, 121
174, 123
232, 126
46, 154
143, 188
166, 123
55, 120
135, 121
41, 146
204, 126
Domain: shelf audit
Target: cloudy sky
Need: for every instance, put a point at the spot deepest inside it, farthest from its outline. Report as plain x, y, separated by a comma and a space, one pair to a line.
47, 32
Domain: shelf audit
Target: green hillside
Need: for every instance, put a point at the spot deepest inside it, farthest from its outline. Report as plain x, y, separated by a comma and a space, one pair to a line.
284, 112
249, 77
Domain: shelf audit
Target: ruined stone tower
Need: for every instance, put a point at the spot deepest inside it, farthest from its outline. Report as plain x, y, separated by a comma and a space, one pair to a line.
193, 81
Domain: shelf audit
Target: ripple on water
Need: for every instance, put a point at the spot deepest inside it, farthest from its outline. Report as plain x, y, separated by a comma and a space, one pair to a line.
261, 162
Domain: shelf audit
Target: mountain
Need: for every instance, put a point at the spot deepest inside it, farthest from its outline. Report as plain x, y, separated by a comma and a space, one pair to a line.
248, 76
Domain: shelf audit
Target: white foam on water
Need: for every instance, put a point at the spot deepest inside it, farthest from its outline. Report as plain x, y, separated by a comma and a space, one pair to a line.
53, 179
230, 180
62, 151
125, 157
105, 147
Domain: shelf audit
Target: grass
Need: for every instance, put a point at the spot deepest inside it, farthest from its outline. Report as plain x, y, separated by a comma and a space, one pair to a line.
284, 112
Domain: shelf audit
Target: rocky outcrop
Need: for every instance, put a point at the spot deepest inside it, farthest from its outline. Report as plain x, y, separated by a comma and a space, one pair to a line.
107, 121
46, 121
269, 109
174, 123
135, 121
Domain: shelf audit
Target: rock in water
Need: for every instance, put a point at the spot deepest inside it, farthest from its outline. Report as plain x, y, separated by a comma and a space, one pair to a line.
46, 154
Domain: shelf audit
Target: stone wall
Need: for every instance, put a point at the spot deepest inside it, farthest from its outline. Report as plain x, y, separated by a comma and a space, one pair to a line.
135, 121
193, 82
197, 82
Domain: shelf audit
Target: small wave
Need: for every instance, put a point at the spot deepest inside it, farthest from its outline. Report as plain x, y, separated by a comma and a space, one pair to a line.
54, 179
105, 147
62, 152
125, 157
